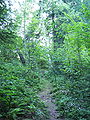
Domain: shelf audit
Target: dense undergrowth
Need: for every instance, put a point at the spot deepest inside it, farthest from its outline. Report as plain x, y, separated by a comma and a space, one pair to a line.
72, 97
19, 87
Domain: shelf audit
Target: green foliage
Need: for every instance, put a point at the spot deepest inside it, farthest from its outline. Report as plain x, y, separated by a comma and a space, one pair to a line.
72, 61
43, 64
74, 103
72, 98
66, 61
18, 89
19, 84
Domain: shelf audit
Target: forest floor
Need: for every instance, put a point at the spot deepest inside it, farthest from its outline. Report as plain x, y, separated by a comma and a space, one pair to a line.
46, 97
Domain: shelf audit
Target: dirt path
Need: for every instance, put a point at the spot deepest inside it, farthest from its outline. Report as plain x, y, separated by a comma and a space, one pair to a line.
49, 102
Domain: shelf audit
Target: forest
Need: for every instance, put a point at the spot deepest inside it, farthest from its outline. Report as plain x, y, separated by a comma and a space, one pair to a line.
44, 59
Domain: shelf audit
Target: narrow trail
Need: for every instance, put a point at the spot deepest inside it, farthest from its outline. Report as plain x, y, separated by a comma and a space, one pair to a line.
49, 102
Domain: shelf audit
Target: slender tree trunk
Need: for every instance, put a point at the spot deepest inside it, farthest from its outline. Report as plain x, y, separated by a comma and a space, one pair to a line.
24, 14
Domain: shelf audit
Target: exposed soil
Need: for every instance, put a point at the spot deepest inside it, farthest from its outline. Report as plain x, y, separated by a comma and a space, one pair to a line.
49, 102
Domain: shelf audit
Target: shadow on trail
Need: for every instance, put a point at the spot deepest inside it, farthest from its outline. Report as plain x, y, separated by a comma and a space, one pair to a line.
49, 102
